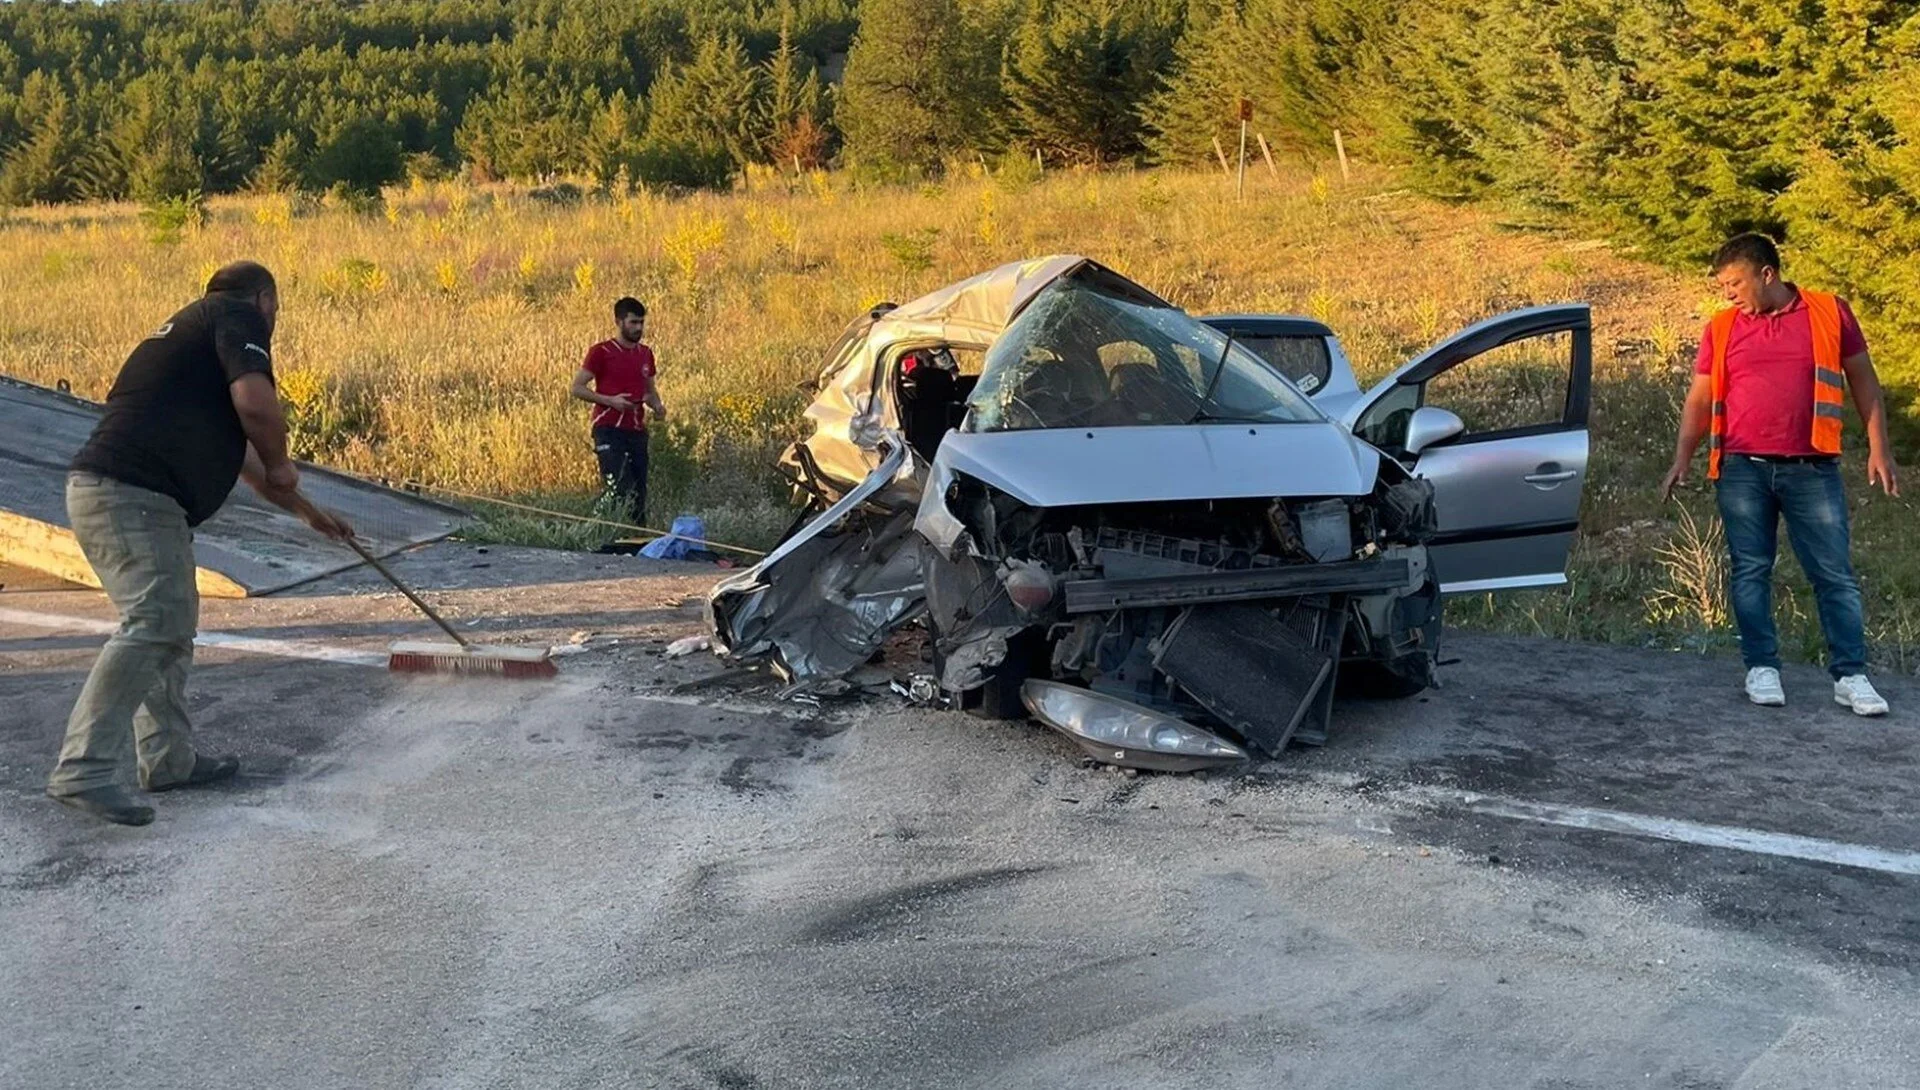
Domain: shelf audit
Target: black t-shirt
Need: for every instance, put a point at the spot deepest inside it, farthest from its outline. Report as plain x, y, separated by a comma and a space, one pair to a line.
170, 425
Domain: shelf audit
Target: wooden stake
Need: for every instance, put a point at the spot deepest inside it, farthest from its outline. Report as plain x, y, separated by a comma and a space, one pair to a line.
1340, 147
1267, 154
1240, 185
1038, 165
1221, 152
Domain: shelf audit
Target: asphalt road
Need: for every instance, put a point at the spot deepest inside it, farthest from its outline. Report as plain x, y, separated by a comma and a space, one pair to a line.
1569, 867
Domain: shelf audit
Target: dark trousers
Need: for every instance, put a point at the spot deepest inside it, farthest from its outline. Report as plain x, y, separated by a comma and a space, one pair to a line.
623, 466
1755, 498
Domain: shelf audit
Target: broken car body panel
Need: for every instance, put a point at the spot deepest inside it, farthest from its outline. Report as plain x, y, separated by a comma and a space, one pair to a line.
821, 603
853, 407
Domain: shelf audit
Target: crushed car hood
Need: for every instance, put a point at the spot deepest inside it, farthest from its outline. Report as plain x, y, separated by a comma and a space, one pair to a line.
1071, 467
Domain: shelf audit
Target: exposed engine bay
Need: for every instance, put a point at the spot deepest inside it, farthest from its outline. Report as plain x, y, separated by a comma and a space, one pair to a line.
1143, 602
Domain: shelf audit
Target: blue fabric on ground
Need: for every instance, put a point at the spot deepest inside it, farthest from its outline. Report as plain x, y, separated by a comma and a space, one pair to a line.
683, 537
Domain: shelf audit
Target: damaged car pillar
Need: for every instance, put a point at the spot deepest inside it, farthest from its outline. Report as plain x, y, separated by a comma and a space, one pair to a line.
1125, 524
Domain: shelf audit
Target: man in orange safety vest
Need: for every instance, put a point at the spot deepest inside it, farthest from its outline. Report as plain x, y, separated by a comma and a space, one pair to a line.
1769, 397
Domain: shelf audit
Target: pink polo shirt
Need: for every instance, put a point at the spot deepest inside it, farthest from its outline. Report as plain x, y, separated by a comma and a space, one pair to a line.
1770, 377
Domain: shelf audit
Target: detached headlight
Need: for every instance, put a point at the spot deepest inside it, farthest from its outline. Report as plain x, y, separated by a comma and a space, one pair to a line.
1123, 733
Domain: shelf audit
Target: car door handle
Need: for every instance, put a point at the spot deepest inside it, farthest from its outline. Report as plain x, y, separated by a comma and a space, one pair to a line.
1551, 478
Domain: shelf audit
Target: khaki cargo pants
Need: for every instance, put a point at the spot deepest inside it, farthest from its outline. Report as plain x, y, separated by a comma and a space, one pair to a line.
135, 698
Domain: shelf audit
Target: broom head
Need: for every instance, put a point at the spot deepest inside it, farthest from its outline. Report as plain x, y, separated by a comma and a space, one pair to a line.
451, 658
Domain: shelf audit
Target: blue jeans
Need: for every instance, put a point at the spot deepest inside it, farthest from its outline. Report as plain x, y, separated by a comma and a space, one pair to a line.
1754, 496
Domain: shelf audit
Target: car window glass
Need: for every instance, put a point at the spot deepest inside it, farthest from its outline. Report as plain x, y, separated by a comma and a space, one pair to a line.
1385, 423
1087, 352
1517, 385
1303, 359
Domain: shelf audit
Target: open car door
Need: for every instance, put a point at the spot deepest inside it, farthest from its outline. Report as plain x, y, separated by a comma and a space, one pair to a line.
1508, 456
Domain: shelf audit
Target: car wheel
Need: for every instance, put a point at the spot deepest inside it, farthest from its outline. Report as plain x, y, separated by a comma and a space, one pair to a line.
1394, 679
1027, 655
1407, 674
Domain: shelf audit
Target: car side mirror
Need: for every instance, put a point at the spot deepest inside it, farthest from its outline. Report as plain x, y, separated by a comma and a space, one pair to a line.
1430, 426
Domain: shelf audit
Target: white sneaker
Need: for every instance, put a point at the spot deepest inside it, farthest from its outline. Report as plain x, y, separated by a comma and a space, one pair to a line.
1764, 689
1857, 692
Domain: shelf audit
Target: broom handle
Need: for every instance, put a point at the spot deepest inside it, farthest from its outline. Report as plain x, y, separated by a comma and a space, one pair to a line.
411, 596
303, 505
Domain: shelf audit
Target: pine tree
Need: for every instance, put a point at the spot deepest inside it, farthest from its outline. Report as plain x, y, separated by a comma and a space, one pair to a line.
1853, 225
363, 155
793, 127
1192, 106
709, 104
613, 138
282, 168
45, 166
1308, 66
527, 127
904, 99
1078, 70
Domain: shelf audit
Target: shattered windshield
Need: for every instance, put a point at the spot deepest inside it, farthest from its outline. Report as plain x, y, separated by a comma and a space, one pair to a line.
1093, 351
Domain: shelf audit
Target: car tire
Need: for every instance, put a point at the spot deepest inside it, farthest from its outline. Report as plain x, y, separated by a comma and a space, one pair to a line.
1405, 675
999, 699
1395, 679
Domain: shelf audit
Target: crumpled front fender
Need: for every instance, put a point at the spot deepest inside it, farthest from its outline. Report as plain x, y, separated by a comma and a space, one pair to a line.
823, 602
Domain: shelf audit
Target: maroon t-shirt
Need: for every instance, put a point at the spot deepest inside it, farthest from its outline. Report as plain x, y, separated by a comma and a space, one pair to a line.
1770, 377
619, 368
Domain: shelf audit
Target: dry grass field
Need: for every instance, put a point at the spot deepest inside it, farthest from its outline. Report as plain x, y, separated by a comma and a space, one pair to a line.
431, 337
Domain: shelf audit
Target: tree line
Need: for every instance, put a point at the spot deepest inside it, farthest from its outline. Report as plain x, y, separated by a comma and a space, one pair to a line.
150, 99
1670, 123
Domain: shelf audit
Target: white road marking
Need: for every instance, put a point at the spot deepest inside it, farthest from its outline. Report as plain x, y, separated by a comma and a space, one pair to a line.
1733, 837
312, 652
289, 649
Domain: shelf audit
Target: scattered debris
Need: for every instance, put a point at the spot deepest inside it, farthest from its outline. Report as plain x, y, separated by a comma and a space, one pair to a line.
921, 691
687, 645
725, 677
583, 642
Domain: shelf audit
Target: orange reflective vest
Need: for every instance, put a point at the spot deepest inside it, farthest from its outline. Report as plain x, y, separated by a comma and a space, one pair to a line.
1829, 380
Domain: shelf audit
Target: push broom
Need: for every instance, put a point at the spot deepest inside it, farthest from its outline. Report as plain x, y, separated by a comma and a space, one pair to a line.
462, 656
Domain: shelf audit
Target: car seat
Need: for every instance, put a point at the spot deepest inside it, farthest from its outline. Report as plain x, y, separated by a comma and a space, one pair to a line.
927, 400
1142, 396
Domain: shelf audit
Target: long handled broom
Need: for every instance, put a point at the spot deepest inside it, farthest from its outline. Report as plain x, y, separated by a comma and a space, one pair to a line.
462, 656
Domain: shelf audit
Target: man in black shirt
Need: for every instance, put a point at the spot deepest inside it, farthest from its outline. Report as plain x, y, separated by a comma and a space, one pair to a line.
194, 409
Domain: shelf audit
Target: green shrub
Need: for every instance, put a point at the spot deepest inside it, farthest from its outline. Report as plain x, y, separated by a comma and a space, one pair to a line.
169, 219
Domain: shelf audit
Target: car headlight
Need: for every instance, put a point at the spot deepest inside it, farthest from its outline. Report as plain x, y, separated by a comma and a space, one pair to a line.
1124, 733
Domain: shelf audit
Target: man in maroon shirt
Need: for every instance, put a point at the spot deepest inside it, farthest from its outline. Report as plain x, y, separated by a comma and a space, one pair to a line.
617, 379
1767, 395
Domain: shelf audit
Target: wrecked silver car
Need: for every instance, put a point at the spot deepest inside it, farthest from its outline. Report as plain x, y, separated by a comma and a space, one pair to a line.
1167, 537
